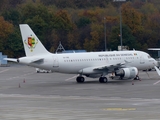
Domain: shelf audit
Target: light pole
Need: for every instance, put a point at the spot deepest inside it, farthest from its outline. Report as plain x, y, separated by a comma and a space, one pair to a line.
120, 21
105, 46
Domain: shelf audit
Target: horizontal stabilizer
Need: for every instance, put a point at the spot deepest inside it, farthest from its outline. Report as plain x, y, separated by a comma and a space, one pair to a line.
25, 60
30, 60
11, 59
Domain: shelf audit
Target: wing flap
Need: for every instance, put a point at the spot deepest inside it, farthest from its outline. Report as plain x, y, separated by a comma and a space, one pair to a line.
109, 67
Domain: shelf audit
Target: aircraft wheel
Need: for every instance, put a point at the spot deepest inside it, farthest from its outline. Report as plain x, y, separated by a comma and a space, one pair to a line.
103, 80
80, 79
137, 78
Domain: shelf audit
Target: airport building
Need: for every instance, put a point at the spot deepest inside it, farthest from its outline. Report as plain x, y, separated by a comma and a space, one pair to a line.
2, 61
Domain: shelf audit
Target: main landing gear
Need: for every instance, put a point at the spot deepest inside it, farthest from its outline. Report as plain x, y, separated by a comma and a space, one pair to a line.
137, 78
81, 79
103, 80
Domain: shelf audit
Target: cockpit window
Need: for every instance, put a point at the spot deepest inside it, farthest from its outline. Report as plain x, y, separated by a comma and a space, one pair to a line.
149, 56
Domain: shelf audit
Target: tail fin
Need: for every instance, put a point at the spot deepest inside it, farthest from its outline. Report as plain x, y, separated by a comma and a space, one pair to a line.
32, 45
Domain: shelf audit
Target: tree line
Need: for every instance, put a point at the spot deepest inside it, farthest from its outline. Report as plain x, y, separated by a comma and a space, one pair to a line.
79, 24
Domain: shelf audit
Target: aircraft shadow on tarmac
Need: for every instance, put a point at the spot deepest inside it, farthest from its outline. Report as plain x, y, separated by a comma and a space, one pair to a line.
120, 82
70, 83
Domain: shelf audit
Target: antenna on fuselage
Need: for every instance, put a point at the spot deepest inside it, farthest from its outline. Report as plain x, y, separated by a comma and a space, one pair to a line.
60, 47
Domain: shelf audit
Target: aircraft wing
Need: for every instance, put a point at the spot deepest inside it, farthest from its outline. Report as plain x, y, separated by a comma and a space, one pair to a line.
109, 67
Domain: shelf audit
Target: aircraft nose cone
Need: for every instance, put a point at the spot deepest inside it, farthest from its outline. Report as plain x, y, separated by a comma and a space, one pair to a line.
156, 63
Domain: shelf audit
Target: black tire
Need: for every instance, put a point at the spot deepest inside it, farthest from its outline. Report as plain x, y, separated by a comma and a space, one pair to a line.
80, 79
103, 80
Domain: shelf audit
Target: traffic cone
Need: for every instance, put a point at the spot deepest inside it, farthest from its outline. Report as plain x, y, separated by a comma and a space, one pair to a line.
24, 81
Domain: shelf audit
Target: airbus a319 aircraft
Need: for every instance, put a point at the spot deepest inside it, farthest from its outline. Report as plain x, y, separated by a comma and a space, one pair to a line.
124, 64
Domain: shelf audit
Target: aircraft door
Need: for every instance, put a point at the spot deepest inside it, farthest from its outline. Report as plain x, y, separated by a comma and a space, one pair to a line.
55, 63
142, 61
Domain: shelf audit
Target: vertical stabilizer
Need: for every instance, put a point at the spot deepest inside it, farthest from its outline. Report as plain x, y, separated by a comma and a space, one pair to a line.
32, 45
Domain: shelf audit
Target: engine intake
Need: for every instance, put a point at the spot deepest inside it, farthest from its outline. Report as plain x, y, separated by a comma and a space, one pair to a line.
127, 73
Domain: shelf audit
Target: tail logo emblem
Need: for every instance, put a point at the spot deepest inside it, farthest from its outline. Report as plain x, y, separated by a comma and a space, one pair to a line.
31, 42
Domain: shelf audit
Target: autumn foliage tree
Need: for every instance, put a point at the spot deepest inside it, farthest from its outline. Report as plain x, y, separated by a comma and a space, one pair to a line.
5, 30
79, 24
131, 17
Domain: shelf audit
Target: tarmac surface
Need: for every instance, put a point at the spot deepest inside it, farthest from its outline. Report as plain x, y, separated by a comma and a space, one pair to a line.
27, 95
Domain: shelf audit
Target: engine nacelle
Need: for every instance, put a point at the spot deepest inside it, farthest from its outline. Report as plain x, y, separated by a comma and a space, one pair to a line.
127, 73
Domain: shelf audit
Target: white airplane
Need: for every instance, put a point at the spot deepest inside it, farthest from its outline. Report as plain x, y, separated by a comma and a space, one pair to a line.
124, 64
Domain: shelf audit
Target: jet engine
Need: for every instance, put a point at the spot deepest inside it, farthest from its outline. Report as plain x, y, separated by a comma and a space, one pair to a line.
127, 73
